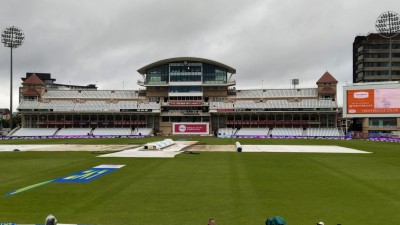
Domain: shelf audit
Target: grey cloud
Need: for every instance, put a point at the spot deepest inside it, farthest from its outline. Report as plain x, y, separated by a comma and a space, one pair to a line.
107, 41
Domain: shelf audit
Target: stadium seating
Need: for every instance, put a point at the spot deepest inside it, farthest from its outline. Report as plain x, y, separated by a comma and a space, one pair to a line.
60, 94
277, 131
92, 106
28, 105
143, 131
59, 105
124, 94
277, 93
291, 93
128, 105
74, 132
99, 94
253, 131
249, 94
221, 105
87, 106
112, 131
149, 105
29, 132
279, 104
91, 94
323, 132
226, 132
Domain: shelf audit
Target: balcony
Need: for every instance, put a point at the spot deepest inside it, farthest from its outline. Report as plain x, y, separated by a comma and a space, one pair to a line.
220, 83
152, 83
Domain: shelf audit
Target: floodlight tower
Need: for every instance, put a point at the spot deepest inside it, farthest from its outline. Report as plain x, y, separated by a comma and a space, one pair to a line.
388, 26
12, 37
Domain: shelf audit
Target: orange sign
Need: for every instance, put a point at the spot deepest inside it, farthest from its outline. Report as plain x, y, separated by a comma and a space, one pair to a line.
373, 101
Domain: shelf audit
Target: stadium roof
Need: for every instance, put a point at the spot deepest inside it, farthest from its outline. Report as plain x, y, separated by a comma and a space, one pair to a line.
33, 79
327, 78
182, 59
42, 76
31, 92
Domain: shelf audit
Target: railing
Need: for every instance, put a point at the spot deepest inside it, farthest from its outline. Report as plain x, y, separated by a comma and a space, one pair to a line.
142, 83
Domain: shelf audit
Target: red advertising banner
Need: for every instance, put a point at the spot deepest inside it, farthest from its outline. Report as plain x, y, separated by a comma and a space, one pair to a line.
186, 103
190, 128
373, 101
224, 110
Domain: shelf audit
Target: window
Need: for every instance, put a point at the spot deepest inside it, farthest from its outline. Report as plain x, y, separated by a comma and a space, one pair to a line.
185, 89
377, 64
214, 74
383, 122
157, 75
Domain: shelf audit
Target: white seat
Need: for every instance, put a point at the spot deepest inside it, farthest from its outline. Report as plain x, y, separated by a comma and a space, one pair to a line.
112, 131
26, 132
74, 132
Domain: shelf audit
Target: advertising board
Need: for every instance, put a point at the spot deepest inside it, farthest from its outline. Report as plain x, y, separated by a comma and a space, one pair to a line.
190, 128
372, 100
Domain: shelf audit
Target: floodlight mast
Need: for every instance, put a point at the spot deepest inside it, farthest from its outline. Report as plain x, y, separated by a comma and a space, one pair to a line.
388, 26
12, 37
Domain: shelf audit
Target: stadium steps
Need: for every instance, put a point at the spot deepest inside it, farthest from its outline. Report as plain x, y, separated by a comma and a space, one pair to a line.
57, 131
13, 131
341, 133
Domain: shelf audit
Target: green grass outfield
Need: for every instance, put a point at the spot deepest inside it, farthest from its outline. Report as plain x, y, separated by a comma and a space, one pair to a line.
234, 188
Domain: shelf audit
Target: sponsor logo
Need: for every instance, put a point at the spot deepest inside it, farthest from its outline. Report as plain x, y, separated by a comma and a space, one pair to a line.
182, 128
352, 111
361, 94
79, 177
88, 175
190, 128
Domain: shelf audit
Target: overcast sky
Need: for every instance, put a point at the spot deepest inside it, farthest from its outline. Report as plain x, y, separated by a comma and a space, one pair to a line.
268, 42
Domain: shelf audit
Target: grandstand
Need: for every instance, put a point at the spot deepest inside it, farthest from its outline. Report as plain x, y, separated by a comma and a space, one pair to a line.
287, 131
80, 132
30, 132
74, 132
143, 131
277, 93
183, 95
112, 132
252, 132
90, 94
323, 132
279, 132
226, 132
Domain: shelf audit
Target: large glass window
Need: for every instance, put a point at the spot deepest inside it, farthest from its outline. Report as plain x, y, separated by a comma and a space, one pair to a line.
377, 46
184, 78
185, 72
377, 55
376, 72
383, 122
376, 64
185, 89
214, 74
157, 75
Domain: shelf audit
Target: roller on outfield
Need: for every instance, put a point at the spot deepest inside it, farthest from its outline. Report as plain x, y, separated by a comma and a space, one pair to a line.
158, 145
238, 147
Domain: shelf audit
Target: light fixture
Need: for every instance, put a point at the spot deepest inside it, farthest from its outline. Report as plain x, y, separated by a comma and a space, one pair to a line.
12, 37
